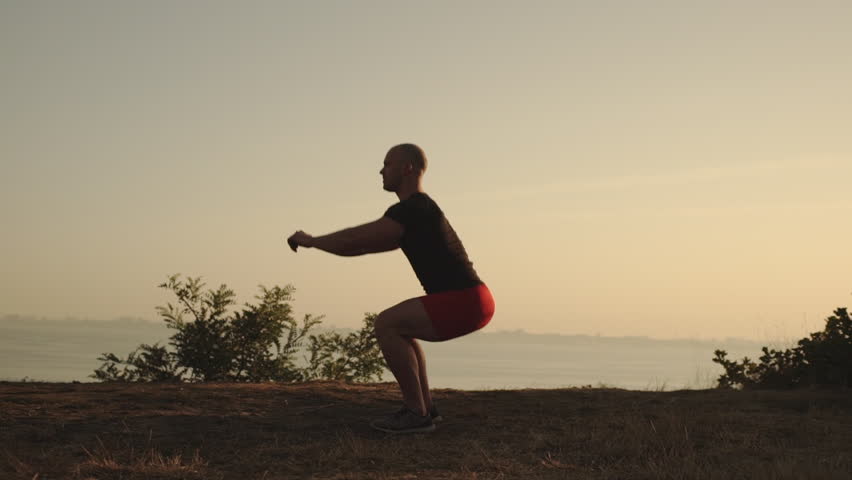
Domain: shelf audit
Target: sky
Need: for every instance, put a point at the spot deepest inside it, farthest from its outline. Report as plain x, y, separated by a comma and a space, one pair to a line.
659, 168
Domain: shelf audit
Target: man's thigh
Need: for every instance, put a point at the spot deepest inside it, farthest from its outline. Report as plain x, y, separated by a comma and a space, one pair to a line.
409, 319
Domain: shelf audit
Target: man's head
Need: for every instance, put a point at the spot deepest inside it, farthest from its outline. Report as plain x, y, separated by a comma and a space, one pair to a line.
403, 167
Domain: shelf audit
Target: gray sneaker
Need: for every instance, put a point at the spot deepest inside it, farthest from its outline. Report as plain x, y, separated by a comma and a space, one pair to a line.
404, 421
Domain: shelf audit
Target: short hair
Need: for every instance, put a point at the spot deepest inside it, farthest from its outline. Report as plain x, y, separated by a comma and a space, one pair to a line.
414, 154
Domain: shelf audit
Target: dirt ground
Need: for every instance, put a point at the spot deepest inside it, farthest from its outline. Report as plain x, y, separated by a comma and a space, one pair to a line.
321, 431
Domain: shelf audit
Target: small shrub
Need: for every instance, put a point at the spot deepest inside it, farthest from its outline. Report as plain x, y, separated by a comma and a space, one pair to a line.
148, 363
355, 357
257, 344
824, 358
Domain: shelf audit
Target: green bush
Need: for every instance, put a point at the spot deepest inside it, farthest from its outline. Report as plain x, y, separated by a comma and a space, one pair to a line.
355, 357
823, 359
148, 363
257, 344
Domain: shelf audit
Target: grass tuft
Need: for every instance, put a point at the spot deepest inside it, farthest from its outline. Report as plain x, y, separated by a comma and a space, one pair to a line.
150, 463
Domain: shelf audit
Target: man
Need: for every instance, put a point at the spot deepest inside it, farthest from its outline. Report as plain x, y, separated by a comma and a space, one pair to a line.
456, 303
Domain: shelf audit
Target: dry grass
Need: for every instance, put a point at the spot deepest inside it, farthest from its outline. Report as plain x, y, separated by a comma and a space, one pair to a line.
120, 462
320, 431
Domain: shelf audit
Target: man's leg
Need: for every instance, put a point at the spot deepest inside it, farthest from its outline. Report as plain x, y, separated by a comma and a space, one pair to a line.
395, 329
421, 374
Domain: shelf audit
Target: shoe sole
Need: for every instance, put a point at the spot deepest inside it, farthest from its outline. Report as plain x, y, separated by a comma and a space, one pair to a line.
423, 429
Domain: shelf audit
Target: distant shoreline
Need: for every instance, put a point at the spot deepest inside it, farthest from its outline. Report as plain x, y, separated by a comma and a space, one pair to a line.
517, 333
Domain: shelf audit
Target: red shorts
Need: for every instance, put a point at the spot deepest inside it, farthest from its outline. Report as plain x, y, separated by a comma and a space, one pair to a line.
459, 312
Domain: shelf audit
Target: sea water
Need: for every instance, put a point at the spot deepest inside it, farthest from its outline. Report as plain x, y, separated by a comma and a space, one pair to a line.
67, 350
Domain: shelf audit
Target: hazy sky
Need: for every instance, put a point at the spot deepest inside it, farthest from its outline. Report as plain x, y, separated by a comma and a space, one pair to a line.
670, 169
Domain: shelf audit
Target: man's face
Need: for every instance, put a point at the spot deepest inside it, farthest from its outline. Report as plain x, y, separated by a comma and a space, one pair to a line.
392, 172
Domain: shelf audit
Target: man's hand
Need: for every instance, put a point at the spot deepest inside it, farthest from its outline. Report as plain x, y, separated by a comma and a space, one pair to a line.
300, 239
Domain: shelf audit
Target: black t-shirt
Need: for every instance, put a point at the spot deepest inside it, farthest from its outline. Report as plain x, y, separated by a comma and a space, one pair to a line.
431, 245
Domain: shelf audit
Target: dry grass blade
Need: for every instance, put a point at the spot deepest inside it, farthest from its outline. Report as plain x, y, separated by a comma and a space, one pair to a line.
18, 466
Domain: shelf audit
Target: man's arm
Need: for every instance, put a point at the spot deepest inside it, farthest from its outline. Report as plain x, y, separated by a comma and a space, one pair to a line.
379, 236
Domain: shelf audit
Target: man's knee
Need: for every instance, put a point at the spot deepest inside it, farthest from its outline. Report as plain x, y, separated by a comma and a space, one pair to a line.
384, 325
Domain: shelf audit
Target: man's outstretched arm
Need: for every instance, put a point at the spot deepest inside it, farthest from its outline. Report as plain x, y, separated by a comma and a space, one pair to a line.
379, 236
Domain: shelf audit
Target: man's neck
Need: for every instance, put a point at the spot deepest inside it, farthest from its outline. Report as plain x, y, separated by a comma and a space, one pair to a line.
406, 191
